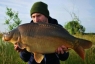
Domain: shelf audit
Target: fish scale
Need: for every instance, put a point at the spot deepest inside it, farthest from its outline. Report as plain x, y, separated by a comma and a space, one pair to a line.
43, 38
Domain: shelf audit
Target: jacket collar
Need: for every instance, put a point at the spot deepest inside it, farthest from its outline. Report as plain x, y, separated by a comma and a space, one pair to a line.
50, 20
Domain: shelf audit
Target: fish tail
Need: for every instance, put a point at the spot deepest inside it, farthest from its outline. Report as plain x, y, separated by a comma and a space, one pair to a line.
80, 45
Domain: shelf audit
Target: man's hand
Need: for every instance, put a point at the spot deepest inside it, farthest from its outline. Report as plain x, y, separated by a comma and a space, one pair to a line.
61, 49
16, 47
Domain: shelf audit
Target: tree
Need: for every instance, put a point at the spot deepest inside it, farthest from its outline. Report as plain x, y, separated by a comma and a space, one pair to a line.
74, 26
13, 20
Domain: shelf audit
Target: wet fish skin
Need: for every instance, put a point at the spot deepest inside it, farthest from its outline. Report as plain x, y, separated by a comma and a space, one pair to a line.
42, 38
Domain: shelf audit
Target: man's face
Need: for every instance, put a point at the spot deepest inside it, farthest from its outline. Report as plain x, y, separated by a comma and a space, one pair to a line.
37, 17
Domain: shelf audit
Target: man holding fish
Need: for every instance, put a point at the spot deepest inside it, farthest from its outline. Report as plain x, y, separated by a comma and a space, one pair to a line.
39, 13
43, 40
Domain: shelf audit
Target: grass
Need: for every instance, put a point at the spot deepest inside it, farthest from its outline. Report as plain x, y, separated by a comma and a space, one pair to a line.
75, 59
89, 53
9, 56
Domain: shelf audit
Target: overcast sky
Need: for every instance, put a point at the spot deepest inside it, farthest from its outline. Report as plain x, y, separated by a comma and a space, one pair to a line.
59, 9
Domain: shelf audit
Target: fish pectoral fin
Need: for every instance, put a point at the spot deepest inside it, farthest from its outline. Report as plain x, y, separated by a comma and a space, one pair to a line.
80, 51
38, 57
20, 44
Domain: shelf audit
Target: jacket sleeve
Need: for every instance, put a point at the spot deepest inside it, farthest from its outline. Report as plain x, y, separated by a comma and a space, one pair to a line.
25, 55
64, 56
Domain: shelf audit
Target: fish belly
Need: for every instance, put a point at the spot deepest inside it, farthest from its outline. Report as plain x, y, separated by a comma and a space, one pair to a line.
42, 44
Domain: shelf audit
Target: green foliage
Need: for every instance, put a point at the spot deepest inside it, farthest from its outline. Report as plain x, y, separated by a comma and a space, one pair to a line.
74, 27
1, 35
8, 55
13, 20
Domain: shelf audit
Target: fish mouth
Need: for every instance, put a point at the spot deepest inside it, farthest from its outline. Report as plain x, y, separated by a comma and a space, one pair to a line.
5, 39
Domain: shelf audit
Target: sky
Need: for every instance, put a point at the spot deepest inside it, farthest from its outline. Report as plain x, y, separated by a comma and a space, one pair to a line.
59, 9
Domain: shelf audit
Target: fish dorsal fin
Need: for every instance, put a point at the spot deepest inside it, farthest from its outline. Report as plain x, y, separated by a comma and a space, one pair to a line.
38, 57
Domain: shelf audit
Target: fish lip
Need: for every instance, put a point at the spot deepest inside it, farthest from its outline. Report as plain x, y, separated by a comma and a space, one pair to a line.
4, 39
